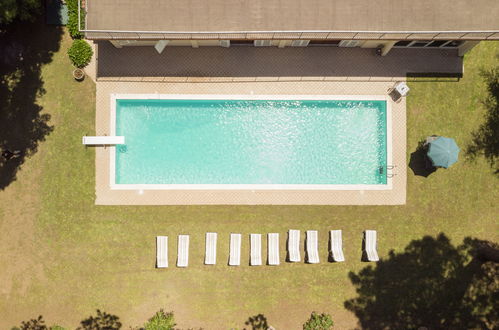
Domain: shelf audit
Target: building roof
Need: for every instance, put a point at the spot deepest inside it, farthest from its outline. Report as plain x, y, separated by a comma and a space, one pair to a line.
192, 16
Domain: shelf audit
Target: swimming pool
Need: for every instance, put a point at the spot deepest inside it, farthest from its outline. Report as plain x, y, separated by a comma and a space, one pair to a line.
250, 142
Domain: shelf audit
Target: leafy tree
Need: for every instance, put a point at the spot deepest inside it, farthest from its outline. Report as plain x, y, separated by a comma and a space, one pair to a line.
33, 324
319, 322
103, 321
161, 321
18, 9
25, 48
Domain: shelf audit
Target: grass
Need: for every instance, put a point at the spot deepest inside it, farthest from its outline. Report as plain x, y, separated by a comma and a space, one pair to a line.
65, 257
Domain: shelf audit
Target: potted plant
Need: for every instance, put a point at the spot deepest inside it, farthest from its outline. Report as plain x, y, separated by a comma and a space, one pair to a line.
78, 74
80, 53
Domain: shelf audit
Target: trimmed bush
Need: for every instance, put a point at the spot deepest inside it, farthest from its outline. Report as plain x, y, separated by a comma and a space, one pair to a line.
319, 322
73, 19
160, 321
80, 53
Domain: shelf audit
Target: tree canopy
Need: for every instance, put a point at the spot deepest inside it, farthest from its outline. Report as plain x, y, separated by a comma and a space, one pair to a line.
17, 9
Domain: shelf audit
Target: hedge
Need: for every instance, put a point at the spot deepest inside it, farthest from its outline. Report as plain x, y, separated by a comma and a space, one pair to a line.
73, 19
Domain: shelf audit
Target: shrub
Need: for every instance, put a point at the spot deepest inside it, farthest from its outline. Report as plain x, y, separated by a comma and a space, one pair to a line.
102, 321
73, 19
80, 53
319, 322
160, 321
33, 324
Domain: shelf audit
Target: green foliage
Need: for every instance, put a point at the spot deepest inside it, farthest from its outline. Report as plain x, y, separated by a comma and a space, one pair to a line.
57, 327
319, 322
258, 322
160, 321
462, 199
486, 138
80, 53
33, 324
73, 19
18, 9
103, 321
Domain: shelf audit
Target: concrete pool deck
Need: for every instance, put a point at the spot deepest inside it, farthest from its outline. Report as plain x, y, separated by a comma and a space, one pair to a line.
106, 196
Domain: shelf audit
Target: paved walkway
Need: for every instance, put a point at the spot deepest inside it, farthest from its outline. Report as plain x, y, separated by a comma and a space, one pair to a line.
240, 63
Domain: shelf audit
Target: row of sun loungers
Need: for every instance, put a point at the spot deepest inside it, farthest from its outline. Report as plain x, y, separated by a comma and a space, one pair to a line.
235, 250
273, 249
293, 245
370, 245
183, 251
312, 247
211, 249
256, 249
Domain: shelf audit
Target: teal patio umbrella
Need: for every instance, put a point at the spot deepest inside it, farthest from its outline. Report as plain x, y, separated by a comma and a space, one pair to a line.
443, 152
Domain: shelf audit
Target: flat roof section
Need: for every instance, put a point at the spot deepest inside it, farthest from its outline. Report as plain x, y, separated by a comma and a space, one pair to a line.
292, 15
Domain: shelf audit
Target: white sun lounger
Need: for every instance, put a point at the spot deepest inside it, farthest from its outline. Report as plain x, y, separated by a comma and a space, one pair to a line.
103, 140
371, 245
273, 249
183, 251
336, 245
161, 251
312, 247
211, 249
235, 250
255, 249
294, 245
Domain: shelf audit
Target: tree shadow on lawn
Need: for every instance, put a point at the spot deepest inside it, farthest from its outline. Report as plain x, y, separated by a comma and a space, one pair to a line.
485, 140
25, 48
419, 163
431, 284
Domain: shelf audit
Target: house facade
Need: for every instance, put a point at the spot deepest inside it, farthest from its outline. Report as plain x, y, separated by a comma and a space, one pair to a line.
383, 24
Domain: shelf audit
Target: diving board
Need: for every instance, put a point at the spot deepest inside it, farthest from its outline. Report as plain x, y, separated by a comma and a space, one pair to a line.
103, 140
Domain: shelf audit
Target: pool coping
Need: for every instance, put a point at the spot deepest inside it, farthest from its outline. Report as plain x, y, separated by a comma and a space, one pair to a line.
250, 187
104, 195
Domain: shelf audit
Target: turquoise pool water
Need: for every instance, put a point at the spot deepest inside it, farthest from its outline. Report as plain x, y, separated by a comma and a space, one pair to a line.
251, 142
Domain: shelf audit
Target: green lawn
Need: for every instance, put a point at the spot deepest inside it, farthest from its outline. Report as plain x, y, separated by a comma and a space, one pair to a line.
65, 257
